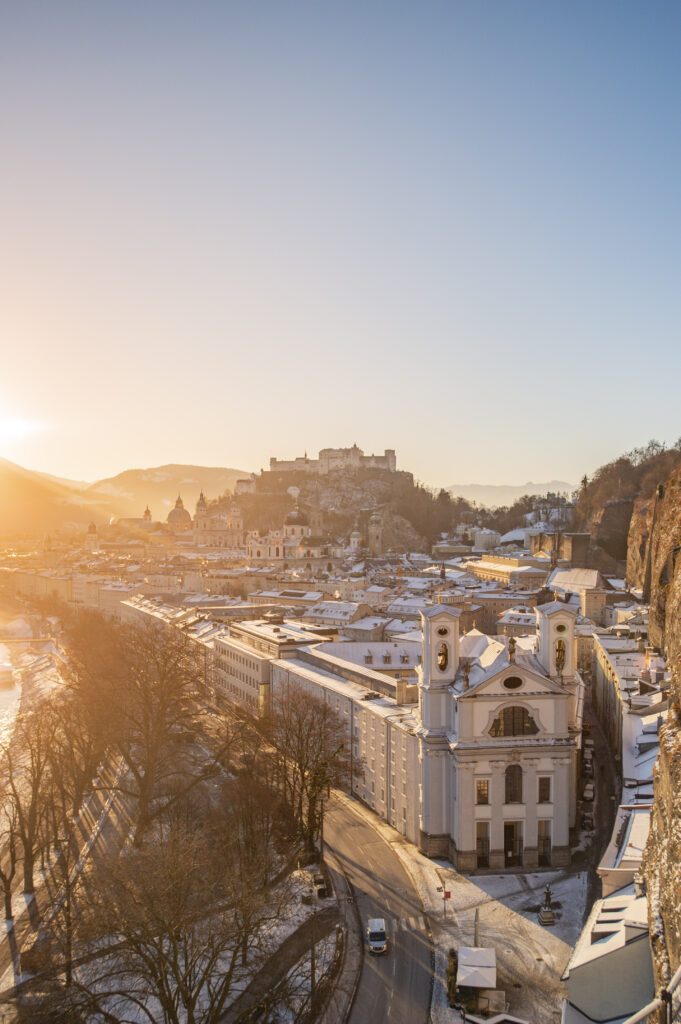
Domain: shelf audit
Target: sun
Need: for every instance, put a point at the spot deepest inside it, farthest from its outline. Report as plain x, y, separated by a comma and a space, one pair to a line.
17, 428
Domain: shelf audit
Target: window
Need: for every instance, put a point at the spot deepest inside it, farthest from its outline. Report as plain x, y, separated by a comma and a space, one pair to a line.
482, 791
514, 721
514, 784
544, 796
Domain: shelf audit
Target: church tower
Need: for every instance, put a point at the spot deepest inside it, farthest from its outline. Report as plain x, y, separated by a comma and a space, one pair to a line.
375, 534
556, 634
439, 664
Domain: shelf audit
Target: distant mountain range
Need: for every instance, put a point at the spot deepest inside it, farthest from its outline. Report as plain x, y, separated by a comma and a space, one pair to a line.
32, 502
497, 495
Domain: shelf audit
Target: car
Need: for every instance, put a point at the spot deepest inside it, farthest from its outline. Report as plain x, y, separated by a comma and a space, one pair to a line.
588, 769
588, 793
587, 821
376, 936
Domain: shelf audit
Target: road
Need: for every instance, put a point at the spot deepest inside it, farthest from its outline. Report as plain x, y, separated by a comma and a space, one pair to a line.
397, 986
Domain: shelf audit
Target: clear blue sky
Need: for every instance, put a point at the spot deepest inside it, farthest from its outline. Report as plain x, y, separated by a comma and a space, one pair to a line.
231, 230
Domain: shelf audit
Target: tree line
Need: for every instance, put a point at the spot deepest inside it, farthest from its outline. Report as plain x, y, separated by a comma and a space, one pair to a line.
170, 913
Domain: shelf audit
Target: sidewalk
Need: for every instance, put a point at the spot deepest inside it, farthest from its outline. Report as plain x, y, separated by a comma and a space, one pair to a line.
342, 997
281, 961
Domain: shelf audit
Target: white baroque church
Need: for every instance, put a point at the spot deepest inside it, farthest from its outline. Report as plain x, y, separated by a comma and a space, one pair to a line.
497, 743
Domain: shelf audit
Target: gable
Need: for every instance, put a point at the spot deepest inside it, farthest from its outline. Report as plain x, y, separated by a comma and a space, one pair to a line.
503, 685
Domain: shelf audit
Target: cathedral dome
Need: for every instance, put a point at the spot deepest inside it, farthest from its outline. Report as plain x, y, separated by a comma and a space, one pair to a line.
179, 516
296, 518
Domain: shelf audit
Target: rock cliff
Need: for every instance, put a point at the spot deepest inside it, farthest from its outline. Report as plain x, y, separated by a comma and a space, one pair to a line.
654, 564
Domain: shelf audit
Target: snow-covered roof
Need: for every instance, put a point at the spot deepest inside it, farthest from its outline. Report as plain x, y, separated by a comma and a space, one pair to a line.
575, 579
612, 923
477, 967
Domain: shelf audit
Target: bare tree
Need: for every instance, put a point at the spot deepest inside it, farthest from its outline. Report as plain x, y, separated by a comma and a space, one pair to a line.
312, 754
9, 845
25, 764
182, 915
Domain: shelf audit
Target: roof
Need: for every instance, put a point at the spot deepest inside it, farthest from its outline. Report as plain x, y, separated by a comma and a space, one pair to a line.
439, 609
477, 967
555, 606
575, 579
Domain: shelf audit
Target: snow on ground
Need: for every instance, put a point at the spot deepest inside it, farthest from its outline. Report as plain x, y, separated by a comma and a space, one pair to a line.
530, 958
294, 912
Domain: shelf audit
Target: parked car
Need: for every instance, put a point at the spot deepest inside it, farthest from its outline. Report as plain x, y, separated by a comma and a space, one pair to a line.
588, 793
320, 886
376, 936
588, 769
588, 821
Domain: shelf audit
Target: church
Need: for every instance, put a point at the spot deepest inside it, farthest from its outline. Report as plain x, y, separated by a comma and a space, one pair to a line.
498, 743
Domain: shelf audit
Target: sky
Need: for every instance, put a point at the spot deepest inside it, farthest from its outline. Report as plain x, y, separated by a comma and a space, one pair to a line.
232, 230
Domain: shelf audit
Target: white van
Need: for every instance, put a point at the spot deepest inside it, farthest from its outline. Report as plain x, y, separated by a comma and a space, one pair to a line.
376, 937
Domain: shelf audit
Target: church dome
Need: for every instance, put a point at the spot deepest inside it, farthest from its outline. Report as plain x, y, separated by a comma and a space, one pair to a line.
201, 505
296, 518
179, 516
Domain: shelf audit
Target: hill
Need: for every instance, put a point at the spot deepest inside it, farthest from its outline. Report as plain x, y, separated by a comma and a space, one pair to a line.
31, 504
128, 493
34, 503
606, 501
498, 495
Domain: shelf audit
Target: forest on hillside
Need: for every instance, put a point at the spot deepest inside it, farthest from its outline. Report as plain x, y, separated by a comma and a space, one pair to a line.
634, 474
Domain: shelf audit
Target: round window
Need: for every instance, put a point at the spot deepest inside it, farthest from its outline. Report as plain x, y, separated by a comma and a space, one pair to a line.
561, 628
442, 631
513, 682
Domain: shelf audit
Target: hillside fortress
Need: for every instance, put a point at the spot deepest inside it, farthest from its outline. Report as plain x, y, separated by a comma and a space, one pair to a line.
333, 459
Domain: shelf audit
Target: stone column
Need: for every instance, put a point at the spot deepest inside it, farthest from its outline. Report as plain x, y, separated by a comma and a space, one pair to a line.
530, 851
560, 833
497, 858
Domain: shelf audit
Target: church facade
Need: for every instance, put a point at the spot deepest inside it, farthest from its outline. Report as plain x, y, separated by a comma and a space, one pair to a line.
497, 743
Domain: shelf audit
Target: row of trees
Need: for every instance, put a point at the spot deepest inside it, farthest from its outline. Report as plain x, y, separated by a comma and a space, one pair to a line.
162, 927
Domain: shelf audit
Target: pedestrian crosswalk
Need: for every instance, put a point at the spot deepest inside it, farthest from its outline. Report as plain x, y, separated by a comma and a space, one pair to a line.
414, 924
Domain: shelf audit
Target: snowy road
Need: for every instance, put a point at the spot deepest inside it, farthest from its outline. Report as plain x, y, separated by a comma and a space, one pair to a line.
396, 986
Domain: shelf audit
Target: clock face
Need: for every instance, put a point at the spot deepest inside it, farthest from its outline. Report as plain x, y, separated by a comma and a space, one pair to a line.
561, 628
442, 631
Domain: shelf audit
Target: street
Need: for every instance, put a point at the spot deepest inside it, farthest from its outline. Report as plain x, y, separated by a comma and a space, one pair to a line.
397, 985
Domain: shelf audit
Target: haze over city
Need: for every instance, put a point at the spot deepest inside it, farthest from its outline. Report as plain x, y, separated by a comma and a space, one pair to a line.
450, 228
340, 512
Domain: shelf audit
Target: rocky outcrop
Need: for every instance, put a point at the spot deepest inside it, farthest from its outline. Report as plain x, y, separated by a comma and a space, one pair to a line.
662, 865
654, 563
610, 527
637, 545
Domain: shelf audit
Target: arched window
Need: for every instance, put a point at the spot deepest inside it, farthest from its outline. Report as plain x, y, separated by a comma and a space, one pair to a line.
514, 721
514, 784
